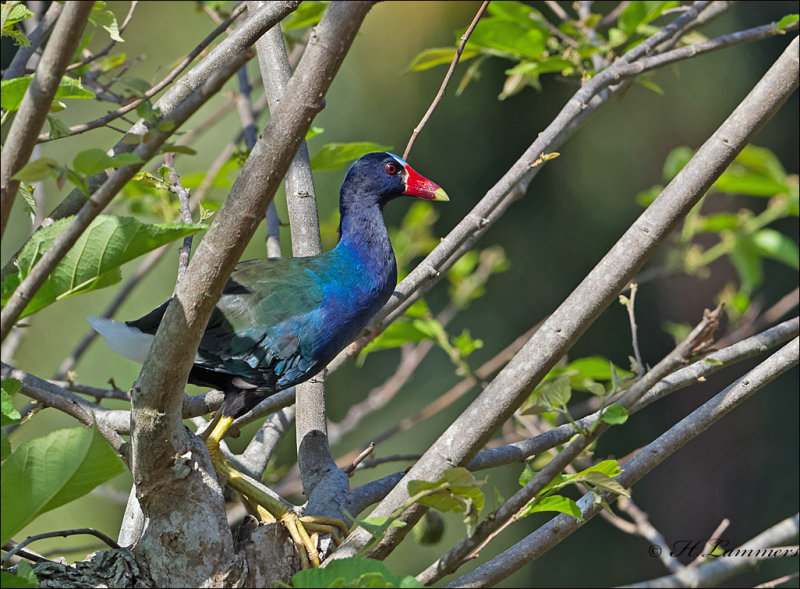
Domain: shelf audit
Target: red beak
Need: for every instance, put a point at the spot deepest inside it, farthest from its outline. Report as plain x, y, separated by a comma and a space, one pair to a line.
420, 186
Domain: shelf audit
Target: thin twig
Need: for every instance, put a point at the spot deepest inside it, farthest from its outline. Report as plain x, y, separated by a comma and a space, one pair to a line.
612, 16
59, 534
386, 459
440, 94
104, 120
778, 581
27, 554
103, 52
350, 468
557, 10
648, 531
634, 337
185, 215
711, 542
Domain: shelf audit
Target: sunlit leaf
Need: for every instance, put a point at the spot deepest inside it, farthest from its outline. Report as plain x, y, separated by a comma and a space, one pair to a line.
553, 503
352, 572
37, 170
94, 261
775, 245
614, 414
332, 156
45, 473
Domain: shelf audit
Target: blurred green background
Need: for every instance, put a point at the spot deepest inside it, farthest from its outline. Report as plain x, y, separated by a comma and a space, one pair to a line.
744, 468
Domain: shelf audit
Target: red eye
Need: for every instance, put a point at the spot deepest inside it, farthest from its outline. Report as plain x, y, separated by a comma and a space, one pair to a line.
390, 169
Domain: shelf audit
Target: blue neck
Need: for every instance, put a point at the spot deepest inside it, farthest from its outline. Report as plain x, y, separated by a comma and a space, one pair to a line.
363, 232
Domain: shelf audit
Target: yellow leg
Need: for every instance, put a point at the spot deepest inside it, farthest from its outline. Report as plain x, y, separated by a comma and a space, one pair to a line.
271, 508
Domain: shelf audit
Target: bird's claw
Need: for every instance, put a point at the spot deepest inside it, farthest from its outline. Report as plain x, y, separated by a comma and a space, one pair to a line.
306, 544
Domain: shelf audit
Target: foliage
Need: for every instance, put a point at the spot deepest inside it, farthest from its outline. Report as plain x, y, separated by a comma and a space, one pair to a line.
353, 572
598, 477
742, 236
737, 221
47, 472
520, 33
95, 259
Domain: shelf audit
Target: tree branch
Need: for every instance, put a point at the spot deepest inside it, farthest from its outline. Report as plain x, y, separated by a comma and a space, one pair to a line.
700, 336
158, 432
741, 559
743, 350
310, 414
561, 526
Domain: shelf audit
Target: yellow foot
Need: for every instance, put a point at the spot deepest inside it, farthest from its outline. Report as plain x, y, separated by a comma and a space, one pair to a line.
272, 509
307, 544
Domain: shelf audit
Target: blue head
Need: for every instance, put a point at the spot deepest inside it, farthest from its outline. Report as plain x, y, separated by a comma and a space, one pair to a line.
376, 178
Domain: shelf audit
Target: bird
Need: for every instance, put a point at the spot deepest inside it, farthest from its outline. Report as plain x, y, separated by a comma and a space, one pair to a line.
280, 321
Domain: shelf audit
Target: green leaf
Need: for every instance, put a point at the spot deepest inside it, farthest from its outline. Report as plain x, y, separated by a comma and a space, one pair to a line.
676, 159
718, 222
45, 473
762, 161
333, 156
313, 132
647, 81
614, 414
553, 503
24, 578
397, 334
12, 92
308, 13
630, 18
107, 20
609, 468
787, 20
747, 262
466, 344
741, 181
10, 415
557, 391
72, 88
57, 127
603, 481
434, 56
37, 170
637, 14
456, 491
518, 39
94, 260
12, 13
775, 245
594, 387
93, 161
352, 572
646, 197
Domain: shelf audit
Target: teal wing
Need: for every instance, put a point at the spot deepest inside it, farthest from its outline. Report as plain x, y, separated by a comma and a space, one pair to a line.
264, 326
